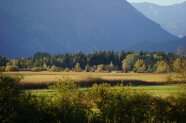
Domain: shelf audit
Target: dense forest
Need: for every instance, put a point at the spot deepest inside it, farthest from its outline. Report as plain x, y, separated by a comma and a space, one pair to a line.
101, 61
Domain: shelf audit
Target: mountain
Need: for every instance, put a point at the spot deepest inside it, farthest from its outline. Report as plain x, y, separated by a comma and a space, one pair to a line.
172, 18
166, 46
59, 26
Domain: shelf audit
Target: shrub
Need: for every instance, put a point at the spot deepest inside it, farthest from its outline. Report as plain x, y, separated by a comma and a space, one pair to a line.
162, 67
18, 106
100, 68
55, 69
87, 68
9, 98
150, 69
77, 68
35, 109
93, 69
67, 70
11, 68
25, 69
110, 67
37, 69
132, 106
179, 67
101, 95
70, 102
2, 69
177, 112
100, 104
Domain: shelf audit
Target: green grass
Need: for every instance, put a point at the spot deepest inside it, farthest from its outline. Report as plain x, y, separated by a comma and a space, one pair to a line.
48, 77
163, 91
43, 92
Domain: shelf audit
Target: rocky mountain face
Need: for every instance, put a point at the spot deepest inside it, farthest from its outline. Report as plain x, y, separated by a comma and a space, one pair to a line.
59, 26
172, 18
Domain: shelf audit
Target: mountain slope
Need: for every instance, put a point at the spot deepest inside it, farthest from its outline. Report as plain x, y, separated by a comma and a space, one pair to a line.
172, 18
58, 26
166, 46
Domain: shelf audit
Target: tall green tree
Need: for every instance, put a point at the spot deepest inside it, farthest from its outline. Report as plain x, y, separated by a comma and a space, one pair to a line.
125, 65
129, 61
179, 67
140, 66
162, 66
177, 64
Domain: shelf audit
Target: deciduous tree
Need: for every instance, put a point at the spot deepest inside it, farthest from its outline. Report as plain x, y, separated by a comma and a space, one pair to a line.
140, 66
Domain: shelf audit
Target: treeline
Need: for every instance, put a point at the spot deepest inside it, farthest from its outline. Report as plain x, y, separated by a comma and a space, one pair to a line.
96, 61
99, 104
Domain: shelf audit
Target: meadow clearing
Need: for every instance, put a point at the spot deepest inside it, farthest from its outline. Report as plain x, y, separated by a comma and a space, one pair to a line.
157, 84
109, 97
161, 90
45, 77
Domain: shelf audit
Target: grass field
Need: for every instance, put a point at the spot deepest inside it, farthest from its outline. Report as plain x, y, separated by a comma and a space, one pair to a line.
153, 83
65, 99
163, 91
44, 77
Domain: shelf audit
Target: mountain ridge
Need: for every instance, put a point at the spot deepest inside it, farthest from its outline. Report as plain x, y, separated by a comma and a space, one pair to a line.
60, 26
171, 17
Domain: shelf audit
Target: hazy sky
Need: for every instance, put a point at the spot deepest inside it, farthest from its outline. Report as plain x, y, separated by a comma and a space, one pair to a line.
160, 2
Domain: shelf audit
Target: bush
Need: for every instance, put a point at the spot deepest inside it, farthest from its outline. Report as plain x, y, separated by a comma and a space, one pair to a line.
100, 68
77, 68
100, 104
87, 68
37, 69
150, 69
55, 69
25, 69
11, 68
10, 93
179, 67
2, 69
18, 106
93, 69
110, 67
127, 105
67, 70
162, 67
70, 102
